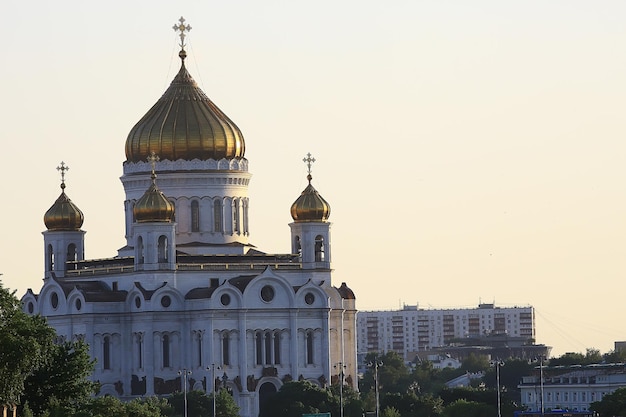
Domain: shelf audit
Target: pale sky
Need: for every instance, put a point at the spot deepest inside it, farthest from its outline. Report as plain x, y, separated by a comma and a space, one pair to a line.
470, 150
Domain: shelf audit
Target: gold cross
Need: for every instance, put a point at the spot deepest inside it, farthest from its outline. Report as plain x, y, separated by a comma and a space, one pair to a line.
153, 158
308, 160
182, 28
62, 168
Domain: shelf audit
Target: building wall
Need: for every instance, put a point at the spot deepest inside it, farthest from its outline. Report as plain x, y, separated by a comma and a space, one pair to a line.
412, 329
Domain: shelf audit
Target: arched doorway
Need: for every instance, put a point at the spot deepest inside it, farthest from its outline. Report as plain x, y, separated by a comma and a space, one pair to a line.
266, 391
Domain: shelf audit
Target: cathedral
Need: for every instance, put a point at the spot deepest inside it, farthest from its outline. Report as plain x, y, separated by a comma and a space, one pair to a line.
188, 302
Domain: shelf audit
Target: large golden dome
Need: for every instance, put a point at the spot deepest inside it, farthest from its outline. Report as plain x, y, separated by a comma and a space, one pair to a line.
184, 124
63, 215
153, 206
310, 206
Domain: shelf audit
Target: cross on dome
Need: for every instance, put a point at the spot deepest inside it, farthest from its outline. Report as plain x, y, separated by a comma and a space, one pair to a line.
62, 168
309, 161
182, 28
153, 158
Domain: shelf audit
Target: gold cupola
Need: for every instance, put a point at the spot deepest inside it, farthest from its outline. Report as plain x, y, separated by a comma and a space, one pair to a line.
310, 206
63, 215
153, 206
184, 124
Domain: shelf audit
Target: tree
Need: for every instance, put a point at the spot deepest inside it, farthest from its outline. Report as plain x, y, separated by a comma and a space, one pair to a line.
613, 404
464, 408
200, 405
108, 406
476, 363
63, 376
24, 341
300, 397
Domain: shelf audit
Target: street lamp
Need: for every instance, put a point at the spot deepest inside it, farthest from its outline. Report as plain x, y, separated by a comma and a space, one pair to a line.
212, 369
185, 373
341, 367
498, 365
375, 364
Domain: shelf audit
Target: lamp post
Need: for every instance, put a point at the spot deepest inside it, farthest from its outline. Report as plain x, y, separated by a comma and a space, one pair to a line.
375, 364
212, 369
541, 381
185, 373
341, 367
498, 364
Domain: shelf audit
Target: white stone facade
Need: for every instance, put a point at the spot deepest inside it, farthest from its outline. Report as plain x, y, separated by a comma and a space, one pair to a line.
193, 294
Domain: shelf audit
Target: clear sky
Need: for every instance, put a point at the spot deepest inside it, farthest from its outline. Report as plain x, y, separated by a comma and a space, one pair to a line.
470, 150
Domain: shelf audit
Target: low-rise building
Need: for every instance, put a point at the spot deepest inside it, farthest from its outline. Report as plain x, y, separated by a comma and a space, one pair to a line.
573, 387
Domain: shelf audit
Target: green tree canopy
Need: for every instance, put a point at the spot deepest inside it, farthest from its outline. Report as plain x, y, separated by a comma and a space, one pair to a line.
24, 343
300, 397
613, 404
63, 377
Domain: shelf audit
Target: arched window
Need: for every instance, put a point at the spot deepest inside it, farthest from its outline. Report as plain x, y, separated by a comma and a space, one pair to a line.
277, 348
140, 350
199, 348
195, 216
298, 246
236, 219
163, 248
319, 248
140, 253
309, 348
71, 253
50, 258
245, 216
268, 348
106, 353
166, 351
259, 348
217, 216
226, 349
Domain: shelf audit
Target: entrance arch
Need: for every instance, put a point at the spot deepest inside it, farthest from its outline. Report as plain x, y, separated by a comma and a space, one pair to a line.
266, 391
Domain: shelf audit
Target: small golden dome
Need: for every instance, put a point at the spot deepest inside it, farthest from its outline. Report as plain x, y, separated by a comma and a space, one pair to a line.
63, 215
310, 206
153, 206
185, 124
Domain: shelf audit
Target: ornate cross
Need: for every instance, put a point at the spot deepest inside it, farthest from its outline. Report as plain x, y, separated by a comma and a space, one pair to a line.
62, 168
182, 28
308, 160
153, 158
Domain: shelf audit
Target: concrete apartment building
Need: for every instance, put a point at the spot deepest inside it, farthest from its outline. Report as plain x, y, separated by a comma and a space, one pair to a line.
413, 329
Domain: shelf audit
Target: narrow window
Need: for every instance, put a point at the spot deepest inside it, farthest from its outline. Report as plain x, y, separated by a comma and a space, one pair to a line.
259, 348
225, 349
309, 348
235, 212
268, 348
199, 346
106, 353
195, 216
166, 351
217, 216
71, 253
298, 247
245, 216
140, 350
140, 253
163, 249
50, 258
319, 248
277, 348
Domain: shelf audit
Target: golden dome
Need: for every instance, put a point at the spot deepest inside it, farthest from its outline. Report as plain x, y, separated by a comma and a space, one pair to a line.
310, 206
184, 124
63, 215
153, 206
